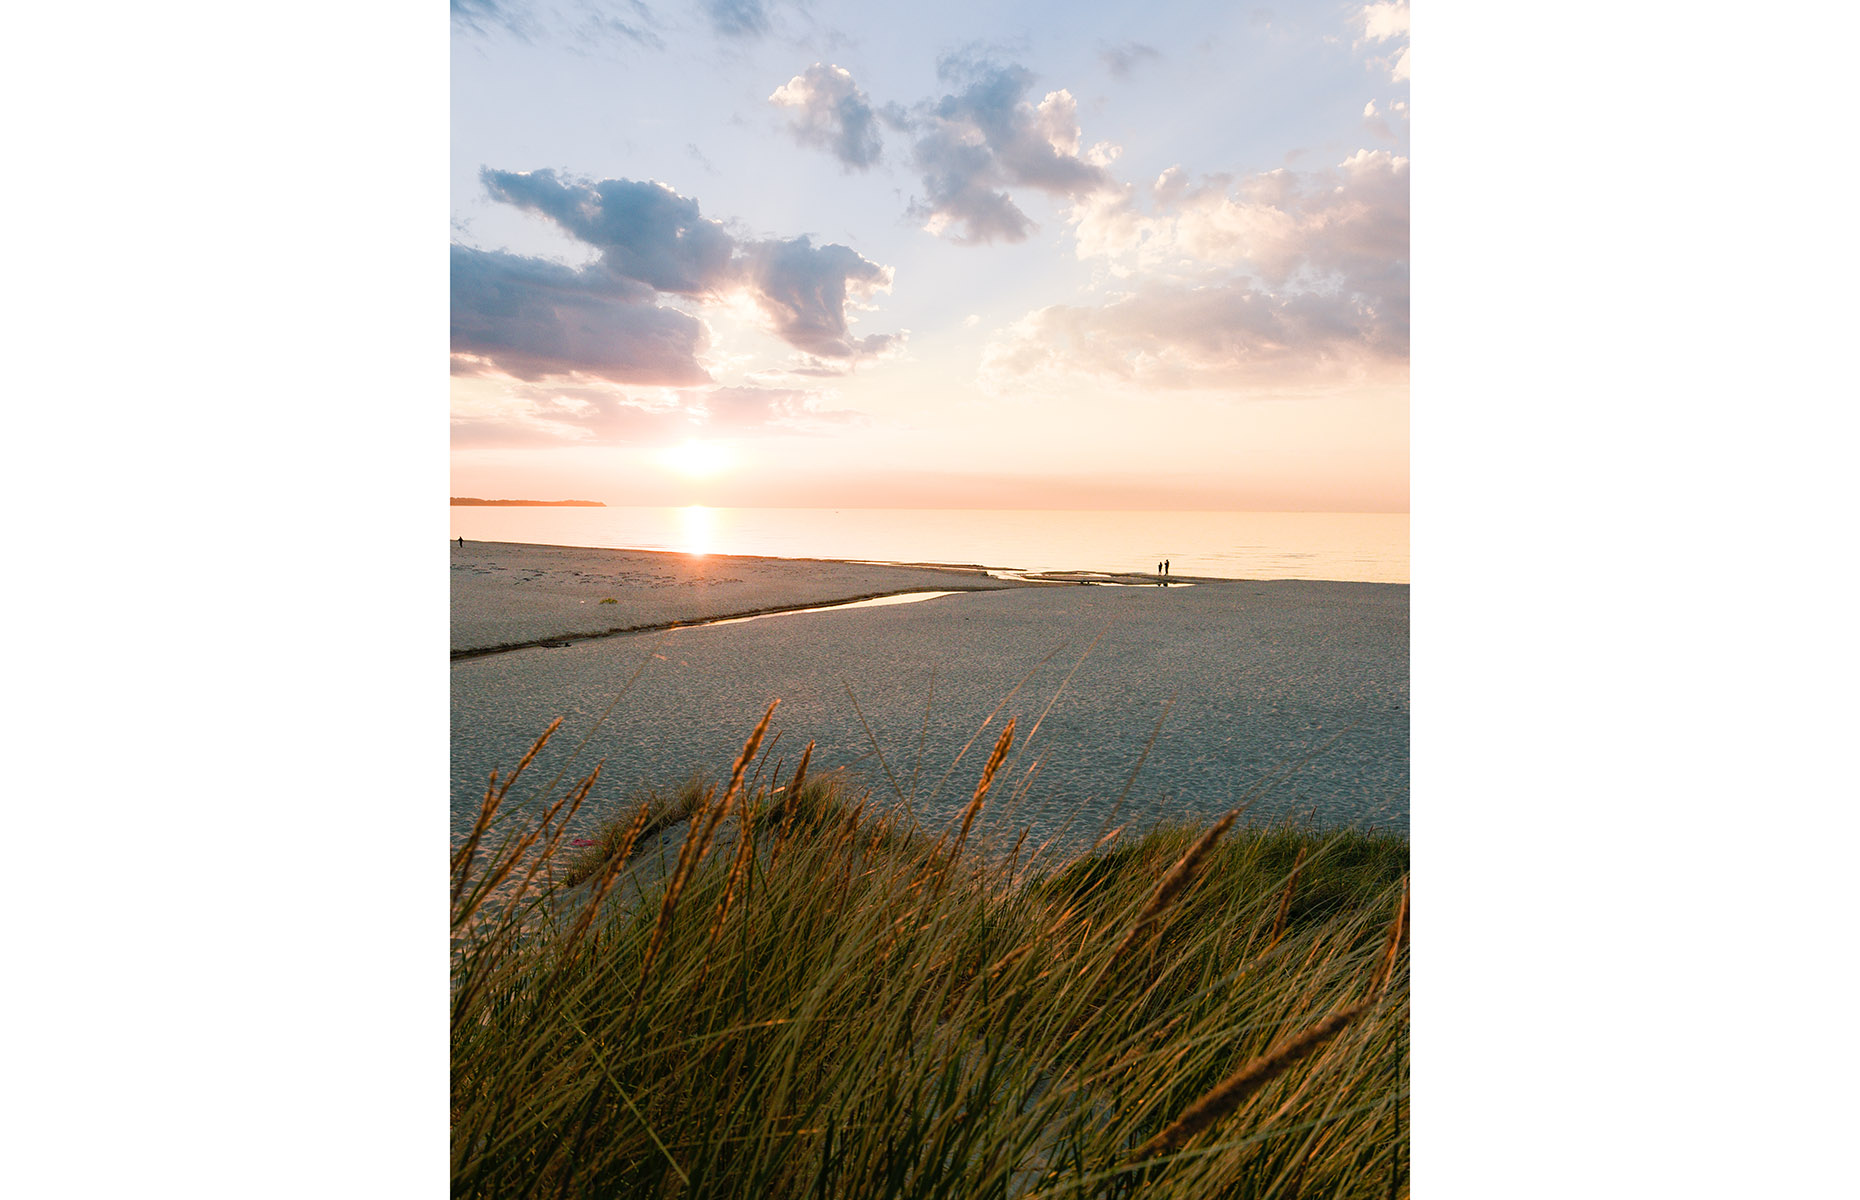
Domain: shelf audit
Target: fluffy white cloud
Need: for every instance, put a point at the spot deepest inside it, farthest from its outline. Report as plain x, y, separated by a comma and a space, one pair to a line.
1169, 334
1280, 279
1387, 21
1384, 20
1352, 220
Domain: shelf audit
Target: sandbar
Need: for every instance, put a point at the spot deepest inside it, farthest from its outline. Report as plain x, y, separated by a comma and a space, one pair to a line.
508, 595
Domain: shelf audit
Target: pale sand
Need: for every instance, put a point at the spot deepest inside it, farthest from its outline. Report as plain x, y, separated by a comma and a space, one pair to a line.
511, 594
1254, 676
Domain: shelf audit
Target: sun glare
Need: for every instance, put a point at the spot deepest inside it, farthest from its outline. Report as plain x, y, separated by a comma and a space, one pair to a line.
699, 527
696, 460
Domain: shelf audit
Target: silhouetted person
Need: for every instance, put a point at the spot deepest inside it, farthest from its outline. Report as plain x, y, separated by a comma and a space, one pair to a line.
461, 541
1165, 566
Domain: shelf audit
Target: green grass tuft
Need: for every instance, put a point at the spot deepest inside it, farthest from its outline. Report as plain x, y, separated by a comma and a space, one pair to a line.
840, 1006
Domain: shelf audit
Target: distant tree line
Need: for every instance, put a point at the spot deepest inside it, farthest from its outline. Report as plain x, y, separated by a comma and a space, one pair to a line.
464, 501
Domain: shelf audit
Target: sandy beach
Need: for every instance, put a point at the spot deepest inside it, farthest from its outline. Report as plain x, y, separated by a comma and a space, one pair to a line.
507, 594
1253, 675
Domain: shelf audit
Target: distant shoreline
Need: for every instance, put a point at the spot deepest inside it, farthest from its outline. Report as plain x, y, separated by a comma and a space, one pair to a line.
474, 502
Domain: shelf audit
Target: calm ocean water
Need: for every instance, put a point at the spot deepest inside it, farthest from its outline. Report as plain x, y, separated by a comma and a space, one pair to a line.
1362, 547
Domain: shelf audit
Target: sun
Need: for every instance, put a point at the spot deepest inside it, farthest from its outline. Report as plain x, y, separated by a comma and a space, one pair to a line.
697, 460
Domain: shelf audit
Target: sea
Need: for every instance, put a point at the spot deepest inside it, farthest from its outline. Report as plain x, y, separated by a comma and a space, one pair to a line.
1355, 547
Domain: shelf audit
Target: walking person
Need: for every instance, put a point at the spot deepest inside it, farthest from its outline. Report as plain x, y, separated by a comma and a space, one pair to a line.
461, 541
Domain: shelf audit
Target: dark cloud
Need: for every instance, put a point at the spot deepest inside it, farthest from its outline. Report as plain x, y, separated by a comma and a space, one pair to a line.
601, 318
970, 146
590, 24
1122, 58
594, 25
833, 114
977, 142
738, 18
645, 231
802, 288
532, 318
482, 16
897, 117
958, 177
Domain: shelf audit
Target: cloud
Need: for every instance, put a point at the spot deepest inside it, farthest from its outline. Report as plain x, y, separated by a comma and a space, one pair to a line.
596, 26
645, 231
575, 416
1274, 281
833, 114
1346, 227
591, 414
803, 289
774, 410
1376, 123
977, 142
481, 16
533, 317
970, 146
1122, 58
738, 18
1384, 20
1387, 21
589, 24
1167, 334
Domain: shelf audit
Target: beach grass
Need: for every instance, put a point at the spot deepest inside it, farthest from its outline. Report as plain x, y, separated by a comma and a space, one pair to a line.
838, 1002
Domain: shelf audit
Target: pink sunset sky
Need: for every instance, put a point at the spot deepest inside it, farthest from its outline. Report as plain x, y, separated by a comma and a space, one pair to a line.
975, 255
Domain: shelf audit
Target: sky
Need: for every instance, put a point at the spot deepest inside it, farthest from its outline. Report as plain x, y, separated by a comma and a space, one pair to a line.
1000, 255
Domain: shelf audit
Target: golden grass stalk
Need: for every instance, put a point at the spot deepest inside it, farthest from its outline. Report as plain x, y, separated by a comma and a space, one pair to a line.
610, 873
1391, 947
493, 798
745, 844
1175, 882
514, 856
633, 831
1285, 900
572, 802
461, 861
689, 858
529, 756
793, 802
1002, 745
507, 864
1231, 1092
938, 866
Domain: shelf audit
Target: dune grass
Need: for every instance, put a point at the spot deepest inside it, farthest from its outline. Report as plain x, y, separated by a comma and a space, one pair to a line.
619, 838
844, 1004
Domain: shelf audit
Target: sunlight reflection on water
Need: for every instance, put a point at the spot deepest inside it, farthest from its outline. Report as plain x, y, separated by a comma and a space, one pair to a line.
1366, 547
